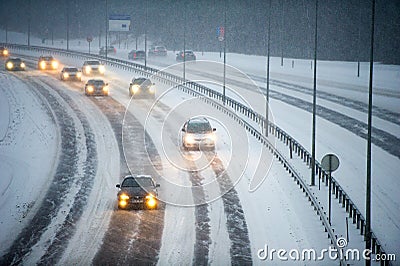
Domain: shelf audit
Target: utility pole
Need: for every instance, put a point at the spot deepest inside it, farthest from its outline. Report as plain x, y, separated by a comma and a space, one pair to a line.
67, 24
106, 34
314, 95
369, 141
29, 22
184, 43
268, 59
224, 86
145, 36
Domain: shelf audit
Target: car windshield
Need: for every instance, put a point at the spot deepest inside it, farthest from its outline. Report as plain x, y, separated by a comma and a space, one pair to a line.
16, 60
142, 81
198, 127
96, 82
71, 69
92, 63
47, 58
140, 52
140, 182
160, 48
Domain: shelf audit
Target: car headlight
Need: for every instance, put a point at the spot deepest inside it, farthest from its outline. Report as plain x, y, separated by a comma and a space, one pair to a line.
135, 89
105, 88
189, 139
211, 137
42, 64
102, 69
22, 65
123, 197
88, 69
151, 201
78, 74
90, 89
65, 75
10, 65
152, 89
5, 52
54, 64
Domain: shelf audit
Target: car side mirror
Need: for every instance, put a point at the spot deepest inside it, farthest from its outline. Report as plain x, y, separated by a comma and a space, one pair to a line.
118, 186
106, 84
214, 129
153, 83
157, 185
183, 129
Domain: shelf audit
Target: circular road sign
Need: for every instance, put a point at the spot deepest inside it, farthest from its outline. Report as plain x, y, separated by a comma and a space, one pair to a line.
330, 162
221, 38
89, 38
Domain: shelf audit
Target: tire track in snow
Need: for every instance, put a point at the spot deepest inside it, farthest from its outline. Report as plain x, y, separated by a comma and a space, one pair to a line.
85, 182
133, 237
240, 249
59, 187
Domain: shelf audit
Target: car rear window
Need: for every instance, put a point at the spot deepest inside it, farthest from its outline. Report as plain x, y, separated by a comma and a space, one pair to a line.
71, 69
96, 82
92, 62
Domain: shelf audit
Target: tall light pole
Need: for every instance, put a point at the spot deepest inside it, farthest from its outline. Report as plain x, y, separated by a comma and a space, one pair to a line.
184, 43
369, 142
106, 33
29, 22
67, 24
282, 25
359, 39
268, 59
145, 37
224, 86
314, 95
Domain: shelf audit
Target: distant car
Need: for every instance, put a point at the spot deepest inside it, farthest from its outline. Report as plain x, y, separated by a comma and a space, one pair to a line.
142, 88
4, 51
137, 55
47, 62
189, 56
93, 67
198, 134
158, 51
70, 73
110, 50
139, 191
96, 87
13, 64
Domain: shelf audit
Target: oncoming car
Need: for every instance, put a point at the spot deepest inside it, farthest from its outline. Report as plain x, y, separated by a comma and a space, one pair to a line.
198, 134
110, 50
4, 51
93, 67
71, 73
142, 88
139, 191
96, 87
47, 62
13, 64
188, 55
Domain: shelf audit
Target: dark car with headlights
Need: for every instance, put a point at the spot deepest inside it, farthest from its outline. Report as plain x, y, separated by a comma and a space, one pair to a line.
137, 55
70, 73
142, 88
138, 191
91, 67
96, 87
4, 51
188, 55
47, 62
198, 134
13, 64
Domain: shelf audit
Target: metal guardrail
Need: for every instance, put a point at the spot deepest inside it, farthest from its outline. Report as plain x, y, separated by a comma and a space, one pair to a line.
343, 198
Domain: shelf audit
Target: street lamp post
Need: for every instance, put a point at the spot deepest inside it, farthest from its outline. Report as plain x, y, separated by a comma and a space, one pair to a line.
268, 64
224, 86
29, 22
145, 37
67, 24
314, 96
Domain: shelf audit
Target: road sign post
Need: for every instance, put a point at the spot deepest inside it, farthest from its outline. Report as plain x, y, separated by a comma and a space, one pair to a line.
89, 40
330, 163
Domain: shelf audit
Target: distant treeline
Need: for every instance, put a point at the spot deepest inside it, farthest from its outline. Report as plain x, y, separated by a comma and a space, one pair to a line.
343, 25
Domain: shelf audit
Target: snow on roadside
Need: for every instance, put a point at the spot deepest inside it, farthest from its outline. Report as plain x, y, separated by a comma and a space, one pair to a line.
28, 156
